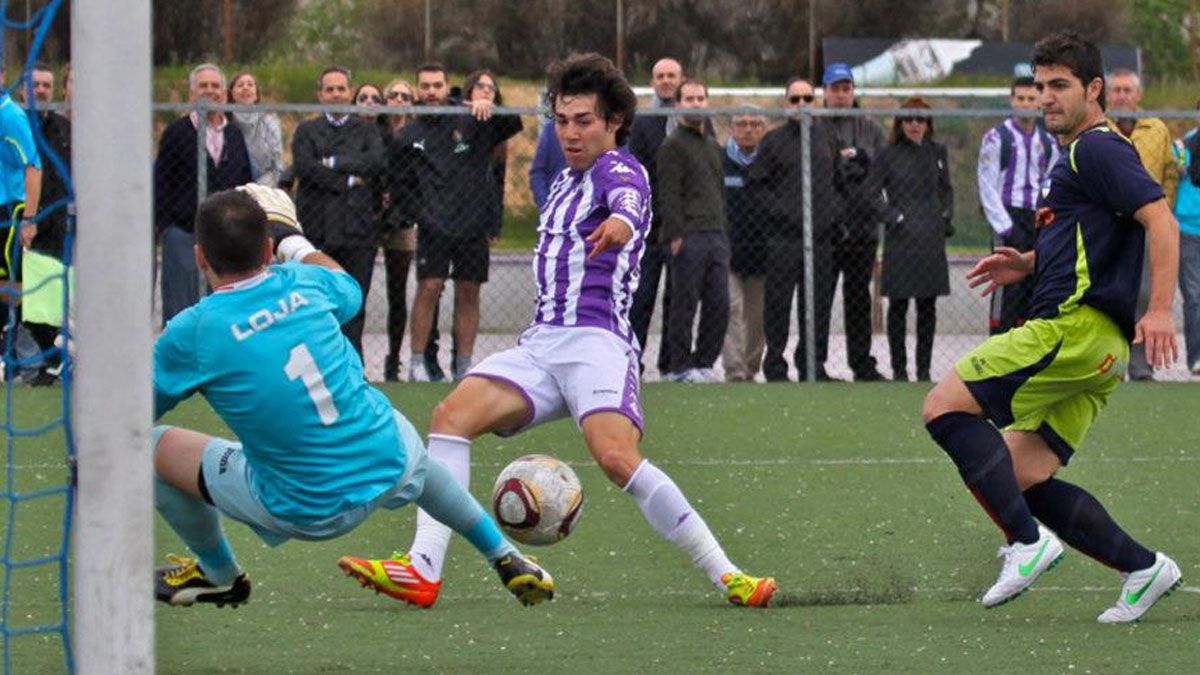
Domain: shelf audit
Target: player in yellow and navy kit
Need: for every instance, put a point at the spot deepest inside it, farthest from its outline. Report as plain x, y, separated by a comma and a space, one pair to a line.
1045, 382
319, 448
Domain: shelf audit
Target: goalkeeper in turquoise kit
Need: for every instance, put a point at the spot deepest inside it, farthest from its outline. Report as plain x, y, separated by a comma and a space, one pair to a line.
319, 449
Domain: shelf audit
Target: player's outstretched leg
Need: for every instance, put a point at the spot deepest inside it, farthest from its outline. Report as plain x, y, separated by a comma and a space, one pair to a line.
669, 513
612, 438
446, 500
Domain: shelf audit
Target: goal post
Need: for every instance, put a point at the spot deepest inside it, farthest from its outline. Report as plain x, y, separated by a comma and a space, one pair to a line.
112, 159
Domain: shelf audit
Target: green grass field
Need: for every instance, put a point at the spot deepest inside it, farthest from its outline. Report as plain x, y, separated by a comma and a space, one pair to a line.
834, 489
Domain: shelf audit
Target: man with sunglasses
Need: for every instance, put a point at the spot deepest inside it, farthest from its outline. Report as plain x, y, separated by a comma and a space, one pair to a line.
774, 184
854, 143
334, 155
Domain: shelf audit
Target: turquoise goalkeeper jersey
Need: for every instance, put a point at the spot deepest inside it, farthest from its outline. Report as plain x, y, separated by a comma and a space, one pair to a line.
269, 356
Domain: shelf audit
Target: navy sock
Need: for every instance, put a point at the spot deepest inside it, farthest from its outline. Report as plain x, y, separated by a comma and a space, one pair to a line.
1079, 518
978, 450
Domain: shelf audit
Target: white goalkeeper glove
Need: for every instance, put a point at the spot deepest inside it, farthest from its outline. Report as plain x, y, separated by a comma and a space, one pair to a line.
290, 243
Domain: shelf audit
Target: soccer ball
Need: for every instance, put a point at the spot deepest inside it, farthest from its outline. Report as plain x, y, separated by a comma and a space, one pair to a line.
537, 499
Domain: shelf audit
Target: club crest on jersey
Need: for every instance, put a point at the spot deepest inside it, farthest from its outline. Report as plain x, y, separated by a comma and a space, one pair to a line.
266, 317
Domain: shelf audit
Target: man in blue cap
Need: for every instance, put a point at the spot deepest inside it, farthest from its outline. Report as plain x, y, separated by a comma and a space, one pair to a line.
854, 144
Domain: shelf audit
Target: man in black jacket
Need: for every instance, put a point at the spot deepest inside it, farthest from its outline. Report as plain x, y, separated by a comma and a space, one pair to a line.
774, 182
175, 185
691, 203
335, 156
854, 143
645, 136
452, 171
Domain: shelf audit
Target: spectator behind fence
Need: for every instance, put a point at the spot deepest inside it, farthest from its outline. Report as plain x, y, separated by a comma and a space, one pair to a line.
1187, 211
548, 160
1152, 139
453, 169
263, 133
52, 226
398, 236
692, 207
774, 183
175, 184
743, 349
336, 156
481, 84
914, 176
855, 141
645, 137
1015, 158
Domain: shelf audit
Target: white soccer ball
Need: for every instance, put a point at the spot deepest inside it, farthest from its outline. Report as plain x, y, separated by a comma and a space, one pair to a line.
537, 499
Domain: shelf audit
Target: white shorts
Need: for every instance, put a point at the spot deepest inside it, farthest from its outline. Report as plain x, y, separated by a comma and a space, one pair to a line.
568, 370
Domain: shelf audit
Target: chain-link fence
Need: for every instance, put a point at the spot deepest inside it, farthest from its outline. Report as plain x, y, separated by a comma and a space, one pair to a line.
436, 214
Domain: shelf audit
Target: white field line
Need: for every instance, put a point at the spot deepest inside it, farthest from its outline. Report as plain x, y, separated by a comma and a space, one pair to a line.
786, 461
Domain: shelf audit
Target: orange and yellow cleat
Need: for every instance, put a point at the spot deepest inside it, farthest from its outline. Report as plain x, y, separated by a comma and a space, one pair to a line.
743, 589
394, 576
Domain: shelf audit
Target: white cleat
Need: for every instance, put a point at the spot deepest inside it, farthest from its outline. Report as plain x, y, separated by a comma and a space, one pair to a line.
1142, 589
1023, 564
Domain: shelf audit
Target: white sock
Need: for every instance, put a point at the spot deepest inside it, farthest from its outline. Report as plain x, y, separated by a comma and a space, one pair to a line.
670, 514
433, 538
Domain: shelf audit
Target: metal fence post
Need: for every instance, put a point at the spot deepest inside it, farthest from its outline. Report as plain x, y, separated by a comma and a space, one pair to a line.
201, 172
809, 327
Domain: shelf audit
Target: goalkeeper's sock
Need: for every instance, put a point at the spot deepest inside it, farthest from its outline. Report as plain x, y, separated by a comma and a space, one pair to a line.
670, 514
199, 526
447, 501
432, 537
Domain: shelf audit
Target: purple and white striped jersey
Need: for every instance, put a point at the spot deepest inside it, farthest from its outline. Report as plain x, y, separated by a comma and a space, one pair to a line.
575, 291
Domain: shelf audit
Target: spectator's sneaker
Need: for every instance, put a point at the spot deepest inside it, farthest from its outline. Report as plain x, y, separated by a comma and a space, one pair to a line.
676, 377
182, 583
706, 375
394, 576
743, 589
1142, 589
1196, 367
525, 579
1023, 564
417, 372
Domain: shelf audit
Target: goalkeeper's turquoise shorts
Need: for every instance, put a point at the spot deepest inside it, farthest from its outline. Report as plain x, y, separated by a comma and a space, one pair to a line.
229, 484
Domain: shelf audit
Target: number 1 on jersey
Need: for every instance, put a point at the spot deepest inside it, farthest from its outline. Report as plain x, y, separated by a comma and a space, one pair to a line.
301, 366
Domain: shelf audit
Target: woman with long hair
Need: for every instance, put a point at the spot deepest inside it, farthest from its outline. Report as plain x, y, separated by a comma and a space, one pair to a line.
914, 172
398, 234
263, 133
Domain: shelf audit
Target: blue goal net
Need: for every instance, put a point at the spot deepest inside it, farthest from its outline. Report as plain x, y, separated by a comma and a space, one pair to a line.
35, 290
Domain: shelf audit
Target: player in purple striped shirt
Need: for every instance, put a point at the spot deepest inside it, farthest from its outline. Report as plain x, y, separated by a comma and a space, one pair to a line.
580, 358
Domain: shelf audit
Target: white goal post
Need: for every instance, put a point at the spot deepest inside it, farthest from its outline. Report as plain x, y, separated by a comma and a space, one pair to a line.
112, 408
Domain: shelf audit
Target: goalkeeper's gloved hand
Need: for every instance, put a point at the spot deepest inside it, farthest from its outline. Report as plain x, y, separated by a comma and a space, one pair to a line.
290, 242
